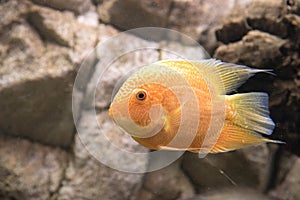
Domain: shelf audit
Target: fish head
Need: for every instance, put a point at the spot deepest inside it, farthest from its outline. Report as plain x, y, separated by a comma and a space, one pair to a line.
137, 109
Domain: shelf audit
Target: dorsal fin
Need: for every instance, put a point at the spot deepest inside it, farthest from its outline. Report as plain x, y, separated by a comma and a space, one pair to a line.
226, 77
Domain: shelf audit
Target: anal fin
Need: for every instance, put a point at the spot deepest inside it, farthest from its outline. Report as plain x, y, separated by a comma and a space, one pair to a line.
234, 137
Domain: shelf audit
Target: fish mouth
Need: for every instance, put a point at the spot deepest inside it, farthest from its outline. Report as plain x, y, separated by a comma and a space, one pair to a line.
110, 112
111, 115
128, 125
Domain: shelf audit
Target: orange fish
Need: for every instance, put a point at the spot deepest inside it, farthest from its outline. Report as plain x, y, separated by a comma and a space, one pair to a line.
183, 105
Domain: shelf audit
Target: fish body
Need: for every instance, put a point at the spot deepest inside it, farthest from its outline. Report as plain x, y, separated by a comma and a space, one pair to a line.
184, 105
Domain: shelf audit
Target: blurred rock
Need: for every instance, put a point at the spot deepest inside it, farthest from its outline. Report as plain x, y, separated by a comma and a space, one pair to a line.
101, 151
185, 16
126, 54
254, 45
246, 167
13, 42
232, 194
199, 19
89, 19
275, 17
181, 51
37, 73
293, 23
167, 183
63, 28
11, 12
81, 98
262, 159
77, 6
236, 23
35, 83
29, 170
267, 15
54, 25
86, 37
98, 1
283, 163
293, 6
87, 177
289, 188
275, 45
129, 14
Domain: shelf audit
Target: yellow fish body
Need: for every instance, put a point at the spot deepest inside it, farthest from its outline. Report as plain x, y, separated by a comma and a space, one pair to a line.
182, 105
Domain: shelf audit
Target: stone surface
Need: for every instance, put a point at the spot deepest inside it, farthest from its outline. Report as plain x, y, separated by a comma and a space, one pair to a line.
8, 18
293, 6
246, 167
262, 159
120, 62
236, 23
97, 1
134, 13
88, 33
37, 71
275, 46
266, 15
254, 44
232, 194
29, 170
89, 177
276, 17
289, 188
199, 19
54, 25
77, 6
283, 163
35, 83
167, 183
178, 50
89, 18
292, 21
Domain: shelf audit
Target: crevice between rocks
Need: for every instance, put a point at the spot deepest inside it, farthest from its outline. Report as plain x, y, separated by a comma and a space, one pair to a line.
273, 171
171, 8
194, 185
34, 19
70, 152
55, 194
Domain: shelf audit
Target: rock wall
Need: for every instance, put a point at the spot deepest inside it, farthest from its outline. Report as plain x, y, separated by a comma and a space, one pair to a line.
44, 43
268, 37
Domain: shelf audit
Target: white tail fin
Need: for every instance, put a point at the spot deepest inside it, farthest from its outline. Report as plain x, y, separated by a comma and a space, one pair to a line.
251, 111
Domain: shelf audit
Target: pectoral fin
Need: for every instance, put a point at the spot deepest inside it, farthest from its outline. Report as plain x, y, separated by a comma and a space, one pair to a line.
172, 120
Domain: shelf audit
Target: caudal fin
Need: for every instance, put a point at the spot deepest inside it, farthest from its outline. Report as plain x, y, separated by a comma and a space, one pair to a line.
250, 111
247, 117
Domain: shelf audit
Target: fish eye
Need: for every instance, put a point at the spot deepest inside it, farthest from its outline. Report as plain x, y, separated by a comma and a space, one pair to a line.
141, 95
